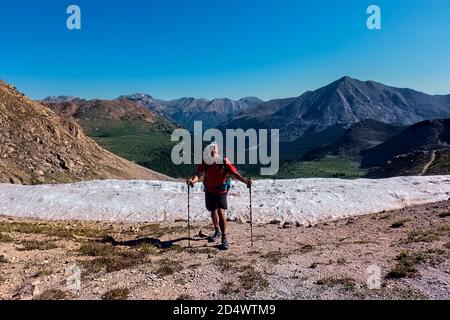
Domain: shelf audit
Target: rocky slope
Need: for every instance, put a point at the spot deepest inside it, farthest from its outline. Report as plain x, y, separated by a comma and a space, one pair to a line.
360, 136
38, 146
96, 114
423, 136
431, 162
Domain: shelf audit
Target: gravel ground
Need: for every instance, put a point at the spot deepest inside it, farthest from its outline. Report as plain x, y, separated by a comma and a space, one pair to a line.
401, 254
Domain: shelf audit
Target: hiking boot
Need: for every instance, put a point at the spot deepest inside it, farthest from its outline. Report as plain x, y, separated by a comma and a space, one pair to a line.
225, 244
215, 237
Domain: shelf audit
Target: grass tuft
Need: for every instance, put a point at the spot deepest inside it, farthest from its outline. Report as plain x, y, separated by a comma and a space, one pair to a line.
5, 238
305, 248
406, 265
444, 214
116, 294
30, 245
421, 236
273, 256
110, 258
228, 288
346, 283
225, 263
52, 294
399, 223
59, 231
252, 279
168, 267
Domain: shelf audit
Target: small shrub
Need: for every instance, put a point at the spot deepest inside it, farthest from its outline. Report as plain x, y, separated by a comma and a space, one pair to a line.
252, 278
5, 238
399, 223
406, 265
167, 268
201, 250
228, 288
444, 229
3, 259
421, 236
95, 249
148, 249
444, 214
306, 248
43, 272
346, 283
30, 245
60, 231
114, 260
225, 263
116, 294
273, 257
52, 294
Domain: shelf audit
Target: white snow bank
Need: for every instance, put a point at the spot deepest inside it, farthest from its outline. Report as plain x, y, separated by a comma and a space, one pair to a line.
300, 200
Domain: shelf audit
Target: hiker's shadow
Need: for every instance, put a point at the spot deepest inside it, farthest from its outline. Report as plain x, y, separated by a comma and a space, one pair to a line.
149, 241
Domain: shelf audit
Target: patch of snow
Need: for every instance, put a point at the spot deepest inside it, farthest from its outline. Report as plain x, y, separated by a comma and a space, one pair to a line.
299, 200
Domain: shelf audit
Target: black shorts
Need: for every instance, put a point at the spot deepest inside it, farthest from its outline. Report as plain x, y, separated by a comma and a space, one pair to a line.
216, 201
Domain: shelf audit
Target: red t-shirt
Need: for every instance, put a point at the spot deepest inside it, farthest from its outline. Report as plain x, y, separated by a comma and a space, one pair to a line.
216, 175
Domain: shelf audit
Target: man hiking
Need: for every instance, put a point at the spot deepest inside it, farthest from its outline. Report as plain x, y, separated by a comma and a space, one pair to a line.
216, 183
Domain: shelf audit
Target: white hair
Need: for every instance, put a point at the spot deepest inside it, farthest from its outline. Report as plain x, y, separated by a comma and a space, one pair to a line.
207, 153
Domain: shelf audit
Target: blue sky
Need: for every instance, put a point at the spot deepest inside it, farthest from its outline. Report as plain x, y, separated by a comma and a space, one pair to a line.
218, 48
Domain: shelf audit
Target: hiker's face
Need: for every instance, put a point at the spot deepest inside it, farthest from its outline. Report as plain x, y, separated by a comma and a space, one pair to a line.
213, 152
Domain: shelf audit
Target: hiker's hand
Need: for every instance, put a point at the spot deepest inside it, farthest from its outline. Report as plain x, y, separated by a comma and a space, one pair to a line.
249, 182
189, 182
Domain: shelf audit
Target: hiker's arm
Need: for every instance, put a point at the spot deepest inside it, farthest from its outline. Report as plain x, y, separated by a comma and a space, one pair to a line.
239, 177
196, 177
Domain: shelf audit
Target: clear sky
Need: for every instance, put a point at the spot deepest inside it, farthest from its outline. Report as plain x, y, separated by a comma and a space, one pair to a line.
221, 48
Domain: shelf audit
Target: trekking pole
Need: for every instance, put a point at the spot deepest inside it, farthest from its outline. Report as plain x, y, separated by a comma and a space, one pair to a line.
251, 217
189, 216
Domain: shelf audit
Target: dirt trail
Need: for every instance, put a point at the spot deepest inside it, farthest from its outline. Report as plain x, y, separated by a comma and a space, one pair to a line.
428, 164
332, 260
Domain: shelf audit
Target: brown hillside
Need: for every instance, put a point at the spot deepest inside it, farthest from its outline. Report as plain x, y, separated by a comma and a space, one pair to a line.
119, 109
38, 146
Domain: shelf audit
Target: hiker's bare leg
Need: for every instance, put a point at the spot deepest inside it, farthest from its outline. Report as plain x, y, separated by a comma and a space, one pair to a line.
215, 218
223, 220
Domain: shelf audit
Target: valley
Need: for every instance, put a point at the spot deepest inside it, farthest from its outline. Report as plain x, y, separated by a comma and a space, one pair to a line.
331, 132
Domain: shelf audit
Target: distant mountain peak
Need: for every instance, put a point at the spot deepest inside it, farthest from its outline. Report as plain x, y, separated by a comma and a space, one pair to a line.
345, 101
59, 99
136, 96
347, 78
251, 101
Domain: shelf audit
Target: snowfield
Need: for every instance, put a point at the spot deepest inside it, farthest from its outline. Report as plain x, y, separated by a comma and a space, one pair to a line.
299, 200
